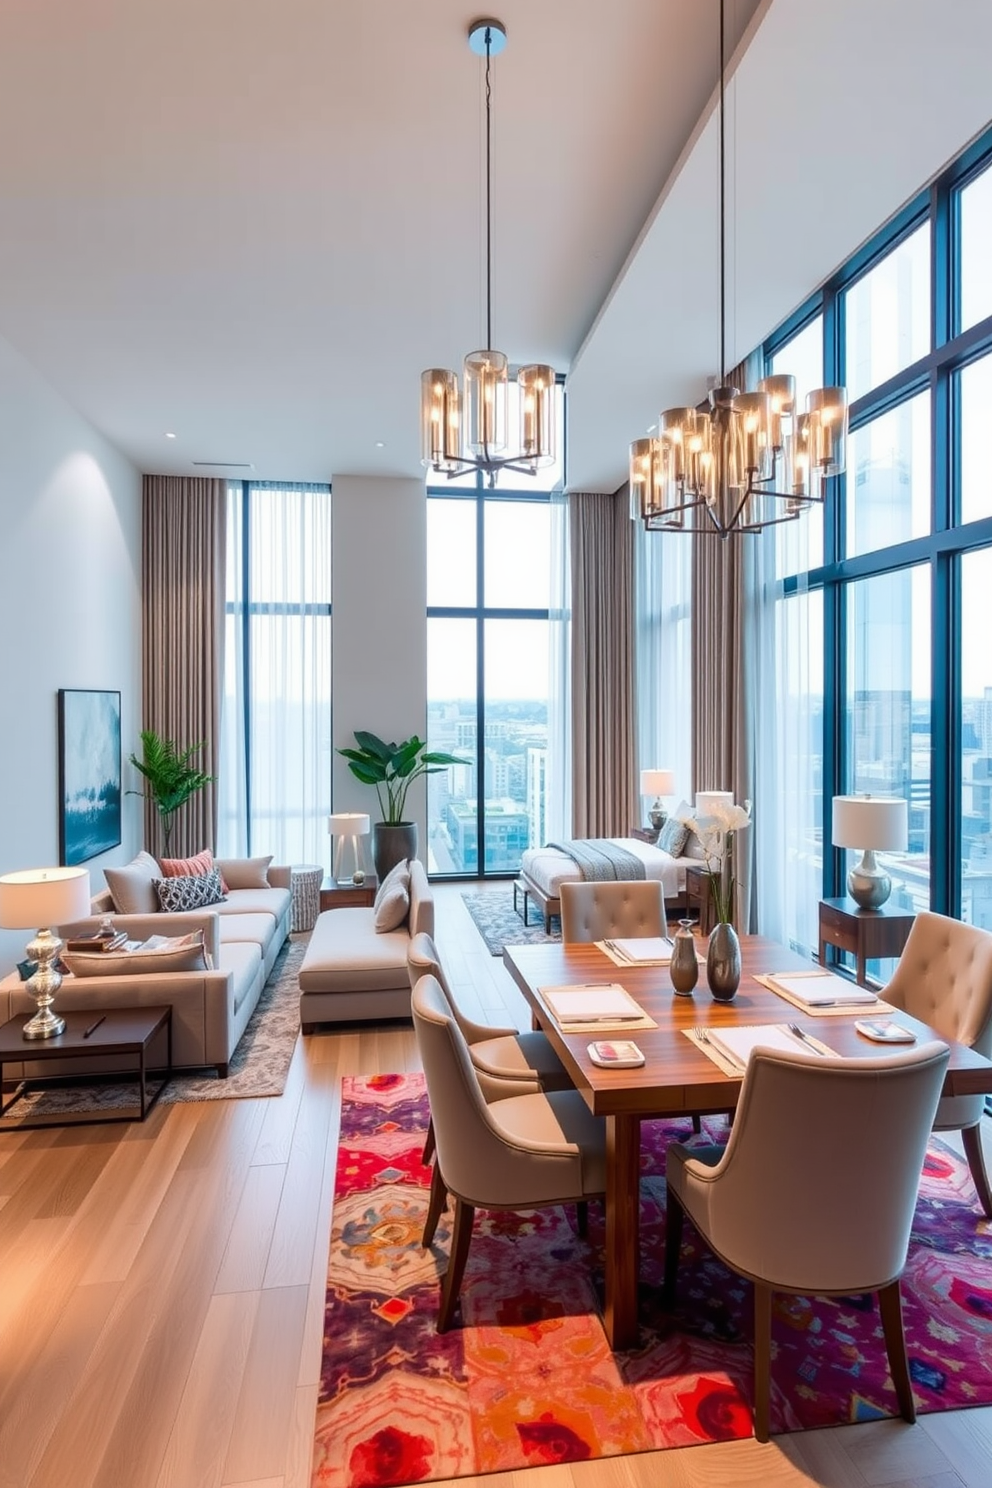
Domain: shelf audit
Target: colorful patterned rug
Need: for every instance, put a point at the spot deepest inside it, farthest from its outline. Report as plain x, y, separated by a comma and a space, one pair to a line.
529, 1379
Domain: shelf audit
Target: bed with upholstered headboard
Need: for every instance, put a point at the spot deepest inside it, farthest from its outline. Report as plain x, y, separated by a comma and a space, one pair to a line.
544, 869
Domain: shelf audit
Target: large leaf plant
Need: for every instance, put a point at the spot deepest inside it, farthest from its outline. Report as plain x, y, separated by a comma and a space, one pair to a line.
392, 768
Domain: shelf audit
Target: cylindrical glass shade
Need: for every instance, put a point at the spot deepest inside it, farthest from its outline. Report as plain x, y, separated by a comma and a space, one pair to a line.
796, 476
728, 478
440, 422
536, 385
486, 382
646, 474
827, 410
781, 390
754, 411
675, 426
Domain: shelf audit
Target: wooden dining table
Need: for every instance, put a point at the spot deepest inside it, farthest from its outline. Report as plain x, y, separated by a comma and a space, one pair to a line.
677, 1076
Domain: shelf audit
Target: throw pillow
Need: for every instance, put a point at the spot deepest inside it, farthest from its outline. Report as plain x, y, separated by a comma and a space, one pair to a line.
178, 953
393, 909
131, 886
196, 866
187, 892
673, 837
245, 873
398, 874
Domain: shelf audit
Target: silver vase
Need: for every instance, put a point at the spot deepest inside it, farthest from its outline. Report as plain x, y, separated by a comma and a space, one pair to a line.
683, 967
723, 962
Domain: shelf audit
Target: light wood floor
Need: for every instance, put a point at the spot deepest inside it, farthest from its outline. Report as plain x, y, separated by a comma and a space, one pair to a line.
162, 1291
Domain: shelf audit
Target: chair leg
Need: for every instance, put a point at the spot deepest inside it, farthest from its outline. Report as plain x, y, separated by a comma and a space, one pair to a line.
673, 1245
890, 1305
697, 1124
436, 1206
582, 1217
972, 1138
762, 1359
429, 1145
461, 1239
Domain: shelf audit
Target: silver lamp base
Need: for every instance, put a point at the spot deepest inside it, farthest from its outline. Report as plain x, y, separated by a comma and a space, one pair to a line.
43, 985
868, 884
657, 816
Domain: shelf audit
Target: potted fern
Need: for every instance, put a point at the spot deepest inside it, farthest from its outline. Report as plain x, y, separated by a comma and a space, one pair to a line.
392, 769
170, 776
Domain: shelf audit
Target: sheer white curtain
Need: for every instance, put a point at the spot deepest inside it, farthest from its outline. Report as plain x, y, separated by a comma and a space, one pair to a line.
784, 657
275, 777
558, 771
663, 655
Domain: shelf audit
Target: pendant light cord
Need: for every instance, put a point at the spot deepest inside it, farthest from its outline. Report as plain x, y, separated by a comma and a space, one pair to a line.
723, 213
489, 197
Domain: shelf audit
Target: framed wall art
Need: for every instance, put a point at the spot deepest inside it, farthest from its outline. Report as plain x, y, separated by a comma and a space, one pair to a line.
89, 773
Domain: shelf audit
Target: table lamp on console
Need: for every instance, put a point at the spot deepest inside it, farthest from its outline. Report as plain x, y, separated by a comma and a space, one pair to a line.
347, 828
657, 783
870, 824
45, 897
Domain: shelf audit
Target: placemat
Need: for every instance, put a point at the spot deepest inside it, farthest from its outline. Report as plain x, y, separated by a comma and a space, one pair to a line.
849, 1010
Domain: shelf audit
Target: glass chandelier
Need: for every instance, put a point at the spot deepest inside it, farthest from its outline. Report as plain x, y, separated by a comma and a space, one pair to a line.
745, 461
462, 431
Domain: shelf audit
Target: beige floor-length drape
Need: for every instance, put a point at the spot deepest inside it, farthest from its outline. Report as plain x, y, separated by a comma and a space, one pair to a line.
604, 795
184, 526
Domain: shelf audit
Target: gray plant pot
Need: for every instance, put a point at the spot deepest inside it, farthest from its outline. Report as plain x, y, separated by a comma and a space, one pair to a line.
391, 843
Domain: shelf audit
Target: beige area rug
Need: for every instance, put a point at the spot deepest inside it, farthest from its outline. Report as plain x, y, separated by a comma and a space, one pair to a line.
259, 1066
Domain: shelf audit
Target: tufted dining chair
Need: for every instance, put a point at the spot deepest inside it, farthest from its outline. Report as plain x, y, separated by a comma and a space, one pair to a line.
606, 911
944, 978
522, 1152
815, 1190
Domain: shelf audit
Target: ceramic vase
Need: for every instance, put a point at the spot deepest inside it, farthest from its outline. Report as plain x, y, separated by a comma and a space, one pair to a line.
391, 843
723, 962
684, 968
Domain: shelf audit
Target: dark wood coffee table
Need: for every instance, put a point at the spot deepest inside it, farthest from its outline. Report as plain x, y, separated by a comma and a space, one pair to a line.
129, 1031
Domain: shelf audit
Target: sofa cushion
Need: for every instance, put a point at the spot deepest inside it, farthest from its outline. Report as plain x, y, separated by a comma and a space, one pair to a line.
257, 928
254, 901
347, 954
189, 891
133, 885
245, 873
200, 863
243, 961
398, 874
177, 953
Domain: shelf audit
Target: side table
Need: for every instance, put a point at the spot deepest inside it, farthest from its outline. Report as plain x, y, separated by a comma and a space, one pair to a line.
334, 895
305, 882
869, 934
130, 1031
699, 898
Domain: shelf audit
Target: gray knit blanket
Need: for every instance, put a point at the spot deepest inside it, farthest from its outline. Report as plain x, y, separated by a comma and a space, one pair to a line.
600, 859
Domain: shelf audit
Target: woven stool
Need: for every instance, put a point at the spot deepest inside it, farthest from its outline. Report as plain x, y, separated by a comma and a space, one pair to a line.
305, 884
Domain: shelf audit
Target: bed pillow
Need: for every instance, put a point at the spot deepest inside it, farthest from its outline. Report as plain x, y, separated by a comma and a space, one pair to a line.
193, 867
245, 873
399, 874
178, 953
176, 895
673, 837
132, 886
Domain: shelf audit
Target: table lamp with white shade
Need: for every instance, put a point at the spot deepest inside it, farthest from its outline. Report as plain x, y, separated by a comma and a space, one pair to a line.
870, 824
347, 828
44, 897
657, 783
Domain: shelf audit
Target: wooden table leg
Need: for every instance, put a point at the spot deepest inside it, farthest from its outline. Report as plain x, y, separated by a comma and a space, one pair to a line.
623, 1167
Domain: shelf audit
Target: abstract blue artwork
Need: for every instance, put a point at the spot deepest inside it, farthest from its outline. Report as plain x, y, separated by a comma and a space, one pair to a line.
89, 773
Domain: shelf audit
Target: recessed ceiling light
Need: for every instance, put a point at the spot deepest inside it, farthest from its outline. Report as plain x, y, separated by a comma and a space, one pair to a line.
380, 444
169, 434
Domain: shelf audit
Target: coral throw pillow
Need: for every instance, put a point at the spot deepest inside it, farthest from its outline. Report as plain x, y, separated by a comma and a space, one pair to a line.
194, 867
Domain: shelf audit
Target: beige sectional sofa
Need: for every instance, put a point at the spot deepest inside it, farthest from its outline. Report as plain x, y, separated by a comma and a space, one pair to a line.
210, 1009
351, 971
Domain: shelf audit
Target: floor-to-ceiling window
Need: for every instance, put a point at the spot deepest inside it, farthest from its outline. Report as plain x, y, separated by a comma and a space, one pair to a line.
488, 667
900, 555
275, 779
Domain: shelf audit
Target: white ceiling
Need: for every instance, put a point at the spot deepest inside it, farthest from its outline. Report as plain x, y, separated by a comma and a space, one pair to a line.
253, 222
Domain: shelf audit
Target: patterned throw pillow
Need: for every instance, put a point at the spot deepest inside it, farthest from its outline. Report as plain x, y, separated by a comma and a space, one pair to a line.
189, 892
400, 874
673, 837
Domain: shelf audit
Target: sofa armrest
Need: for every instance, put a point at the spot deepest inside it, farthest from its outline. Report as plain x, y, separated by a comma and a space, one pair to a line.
140, 927
280, 876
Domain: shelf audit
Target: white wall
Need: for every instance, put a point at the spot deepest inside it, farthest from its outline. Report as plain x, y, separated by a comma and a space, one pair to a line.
379, 631
70, 572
